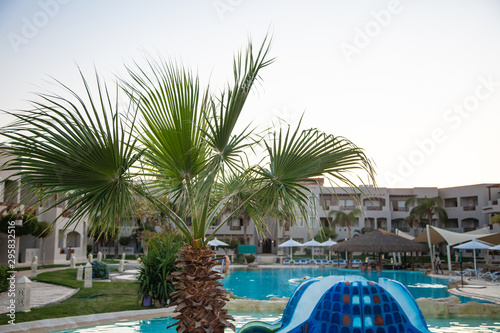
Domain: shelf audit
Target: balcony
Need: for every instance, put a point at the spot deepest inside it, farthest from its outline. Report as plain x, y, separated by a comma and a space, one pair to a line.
399, 209
469, 208
373, 207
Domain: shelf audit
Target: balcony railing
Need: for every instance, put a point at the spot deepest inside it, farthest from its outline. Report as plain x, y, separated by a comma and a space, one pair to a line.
469, 208
373, 207
346, 207
399, 209
235, 228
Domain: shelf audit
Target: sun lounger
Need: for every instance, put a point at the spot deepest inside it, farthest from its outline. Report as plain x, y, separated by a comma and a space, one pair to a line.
286, 262
297, 262
356, 263
495, 276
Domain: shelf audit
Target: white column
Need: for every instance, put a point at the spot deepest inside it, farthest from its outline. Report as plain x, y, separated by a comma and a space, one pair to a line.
448, 251
90, 257
430, 245
120, 267
72, 262
88, 276
123, 256
79, 273
23, 294
34, 267
99, 256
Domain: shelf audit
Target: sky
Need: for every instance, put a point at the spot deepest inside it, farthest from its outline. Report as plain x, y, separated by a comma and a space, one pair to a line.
414, 83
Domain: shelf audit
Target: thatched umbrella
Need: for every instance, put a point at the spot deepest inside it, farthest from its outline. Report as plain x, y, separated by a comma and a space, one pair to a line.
379, 241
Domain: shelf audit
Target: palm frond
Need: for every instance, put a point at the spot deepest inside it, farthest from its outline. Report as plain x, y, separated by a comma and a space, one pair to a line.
74, 152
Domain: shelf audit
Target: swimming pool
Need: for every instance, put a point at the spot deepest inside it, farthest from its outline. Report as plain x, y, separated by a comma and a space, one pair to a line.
266, 283
483, 325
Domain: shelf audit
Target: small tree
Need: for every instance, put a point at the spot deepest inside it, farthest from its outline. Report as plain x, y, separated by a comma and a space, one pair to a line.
44, 230
427, 207
29, 226
346, 219
157, 265
324, 234
495, 219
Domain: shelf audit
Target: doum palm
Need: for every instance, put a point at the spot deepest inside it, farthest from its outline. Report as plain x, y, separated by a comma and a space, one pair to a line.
175, 145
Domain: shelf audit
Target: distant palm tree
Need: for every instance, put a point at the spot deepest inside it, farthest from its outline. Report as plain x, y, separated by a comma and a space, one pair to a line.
346, 219
426, 207
179, 141
414, 220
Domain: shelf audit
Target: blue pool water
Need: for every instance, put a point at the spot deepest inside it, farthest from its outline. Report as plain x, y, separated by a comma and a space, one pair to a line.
486, 325
266, 283
263, 284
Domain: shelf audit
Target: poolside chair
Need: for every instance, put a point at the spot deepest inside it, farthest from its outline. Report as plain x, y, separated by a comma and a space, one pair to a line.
297, 262
343, 263
480, 276
324, 261
356, 263
286, 262
303, 261
495, 276
335, 262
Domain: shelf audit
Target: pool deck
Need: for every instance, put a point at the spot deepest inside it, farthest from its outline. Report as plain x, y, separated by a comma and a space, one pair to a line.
43, 294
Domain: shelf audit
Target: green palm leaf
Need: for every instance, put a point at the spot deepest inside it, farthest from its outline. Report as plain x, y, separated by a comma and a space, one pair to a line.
76, 151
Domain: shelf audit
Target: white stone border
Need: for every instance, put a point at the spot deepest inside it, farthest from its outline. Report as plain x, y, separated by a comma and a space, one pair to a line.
67, 323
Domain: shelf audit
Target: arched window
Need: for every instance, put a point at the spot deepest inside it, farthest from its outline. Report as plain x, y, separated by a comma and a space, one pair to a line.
73, 239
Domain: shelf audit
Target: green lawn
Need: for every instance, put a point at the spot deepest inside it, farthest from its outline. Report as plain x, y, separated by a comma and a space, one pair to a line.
102, 297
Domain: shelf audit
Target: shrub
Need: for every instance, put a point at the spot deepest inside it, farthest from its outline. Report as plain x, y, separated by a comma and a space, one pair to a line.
239, 259
100, 270
157, 265
90, 247
250, 258
4, 283
124, 241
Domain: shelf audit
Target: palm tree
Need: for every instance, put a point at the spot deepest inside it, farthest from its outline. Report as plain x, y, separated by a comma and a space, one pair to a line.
414, 220
346, 219
177, 141
426, 207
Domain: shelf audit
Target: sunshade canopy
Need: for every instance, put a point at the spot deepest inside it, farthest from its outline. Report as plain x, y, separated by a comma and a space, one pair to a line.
439, 235
473, 245
379, 241
216, 242
329, 242
290, 243
495, 248
313, 243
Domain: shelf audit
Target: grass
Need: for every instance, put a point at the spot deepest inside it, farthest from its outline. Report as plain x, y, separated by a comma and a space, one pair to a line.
39, 267
102, 297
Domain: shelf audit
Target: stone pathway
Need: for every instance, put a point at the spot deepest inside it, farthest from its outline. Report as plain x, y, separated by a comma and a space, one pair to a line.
41, 293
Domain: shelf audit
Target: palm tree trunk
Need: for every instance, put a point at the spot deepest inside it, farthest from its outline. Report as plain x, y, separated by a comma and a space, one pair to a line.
198, 298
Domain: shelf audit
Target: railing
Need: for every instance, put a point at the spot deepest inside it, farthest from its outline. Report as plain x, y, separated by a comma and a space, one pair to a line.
233, 228
346, 207
373, 207
399, 209
469, 208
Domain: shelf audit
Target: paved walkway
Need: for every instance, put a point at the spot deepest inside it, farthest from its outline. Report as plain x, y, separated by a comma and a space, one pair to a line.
41, 293
476, 288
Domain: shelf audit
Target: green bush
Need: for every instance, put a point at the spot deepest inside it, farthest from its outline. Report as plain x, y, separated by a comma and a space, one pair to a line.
124, 241
239, 259
4, 283
157, 265
250, 258
90, 247
100, 270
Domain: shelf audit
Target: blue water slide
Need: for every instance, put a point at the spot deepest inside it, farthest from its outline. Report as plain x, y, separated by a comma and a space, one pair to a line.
347, 304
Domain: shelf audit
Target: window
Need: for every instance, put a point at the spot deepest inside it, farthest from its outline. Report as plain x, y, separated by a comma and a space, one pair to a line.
450, 202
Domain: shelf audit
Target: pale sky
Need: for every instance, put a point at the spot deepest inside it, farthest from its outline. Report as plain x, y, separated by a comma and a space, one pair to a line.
414, 83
